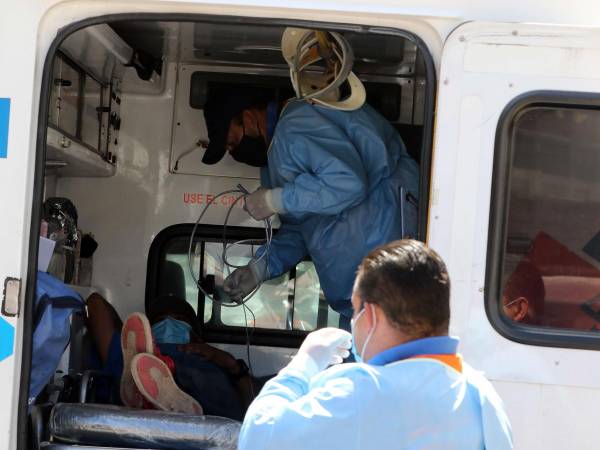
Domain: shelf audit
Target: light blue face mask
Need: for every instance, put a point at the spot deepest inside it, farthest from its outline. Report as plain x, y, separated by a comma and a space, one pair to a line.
359, 357
171, 331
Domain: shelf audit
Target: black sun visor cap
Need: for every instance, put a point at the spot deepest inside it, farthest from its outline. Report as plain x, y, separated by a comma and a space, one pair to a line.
222, 105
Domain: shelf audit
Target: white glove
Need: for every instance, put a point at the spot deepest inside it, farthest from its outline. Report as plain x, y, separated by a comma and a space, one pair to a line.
263, 203
321, 349
244, 280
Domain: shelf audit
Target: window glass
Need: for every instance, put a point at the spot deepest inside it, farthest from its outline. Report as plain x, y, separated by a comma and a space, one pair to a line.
288, 302
551, 273
307, 293
174, 275
292, 301
269, 304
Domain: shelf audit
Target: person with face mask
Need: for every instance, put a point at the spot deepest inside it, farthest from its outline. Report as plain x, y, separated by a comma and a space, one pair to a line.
342, 183
409, 387
160, 360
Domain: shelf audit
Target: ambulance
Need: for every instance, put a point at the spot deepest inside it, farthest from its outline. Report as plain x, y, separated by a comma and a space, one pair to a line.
498, 102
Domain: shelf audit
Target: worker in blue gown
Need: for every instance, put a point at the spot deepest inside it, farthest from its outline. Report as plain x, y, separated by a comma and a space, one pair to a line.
341, 181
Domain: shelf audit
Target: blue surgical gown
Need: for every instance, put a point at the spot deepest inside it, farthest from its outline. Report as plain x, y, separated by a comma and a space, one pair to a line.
348, 186
413, 403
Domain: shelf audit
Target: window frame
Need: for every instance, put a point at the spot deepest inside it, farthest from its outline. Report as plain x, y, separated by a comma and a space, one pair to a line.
498, 224
212, 332
41, 133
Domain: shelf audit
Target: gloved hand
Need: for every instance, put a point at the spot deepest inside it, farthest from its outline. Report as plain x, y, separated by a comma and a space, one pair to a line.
263, 203
321, 349
244, 280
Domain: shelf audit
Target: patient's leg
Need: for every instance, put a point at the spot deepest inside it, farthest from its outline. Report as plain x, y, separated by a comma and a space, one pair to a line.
103, 321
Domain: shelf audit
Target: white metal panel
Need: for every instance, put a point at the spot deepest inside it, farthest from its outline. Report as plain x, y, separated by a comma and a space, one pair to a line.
475, 87
128, 210
74, 159
18, 38
99, 50
34, 24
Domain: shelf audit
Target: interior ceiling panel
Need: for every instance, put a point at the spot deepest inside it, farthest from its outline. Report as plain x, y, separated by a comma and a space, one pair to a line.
147, 36
253, 45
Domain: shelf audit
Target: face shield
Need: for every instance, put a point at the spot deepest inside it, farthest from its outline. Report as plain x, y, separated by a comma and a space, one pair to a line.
59, 224
320, 64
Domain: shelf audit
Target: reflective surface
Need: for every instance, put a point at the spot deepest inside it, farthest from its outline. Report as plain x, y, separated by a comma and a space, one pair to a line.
553, 246
114, 426
288, 302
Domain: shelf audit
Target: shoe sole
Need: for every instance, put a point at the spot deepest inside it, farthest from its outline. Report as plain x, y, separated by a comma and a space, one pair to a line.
136, 337
155, 382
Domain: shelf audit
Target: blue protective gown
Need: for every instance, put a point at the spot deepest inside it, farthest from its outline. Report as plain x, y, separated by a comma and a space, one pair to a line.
346, 179
400, 402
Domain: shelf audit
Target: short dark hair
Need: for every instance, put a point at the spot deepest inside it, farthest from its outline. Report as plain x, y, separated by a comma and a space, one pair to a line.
168, 305
410, 283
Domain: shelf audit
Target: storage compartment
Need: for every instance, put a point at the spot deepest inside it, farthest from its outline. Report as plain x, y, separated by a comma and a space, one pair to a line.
67, 157
80, 122
66, 96
93, 102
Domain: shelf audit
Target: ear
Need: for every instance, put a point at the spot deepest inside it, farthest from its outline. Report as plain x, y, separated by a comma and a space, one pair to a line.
372, 313
521, 307
250, 122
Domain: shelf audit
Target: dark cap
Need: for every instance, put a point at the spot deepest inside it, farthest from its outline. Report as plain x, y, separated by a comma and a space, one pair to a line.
222, 105
167, 305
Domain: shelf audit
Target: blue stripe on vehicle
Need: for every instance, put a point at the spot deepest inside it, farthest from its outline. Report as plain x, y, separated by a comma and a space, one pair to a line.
7, 339
4, 116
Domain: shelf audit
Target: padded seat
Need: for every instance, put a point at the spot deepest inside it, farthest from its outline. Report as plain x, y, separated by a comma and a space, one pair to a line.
99, 426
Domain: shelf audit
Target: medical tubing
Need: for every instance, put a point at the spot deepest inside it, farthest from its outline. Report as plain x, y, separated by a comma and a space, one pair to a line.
268, 235
268, 238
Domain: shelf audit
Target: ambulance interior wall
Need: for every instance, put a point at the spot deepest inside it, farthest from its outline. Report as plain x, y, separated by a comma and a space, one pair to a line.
50, 185
125, 212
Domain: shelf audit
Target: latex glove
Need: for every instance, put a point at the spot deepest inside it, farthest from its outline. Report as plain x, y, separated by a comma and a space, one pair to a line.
244, 280
263, 203
321, 349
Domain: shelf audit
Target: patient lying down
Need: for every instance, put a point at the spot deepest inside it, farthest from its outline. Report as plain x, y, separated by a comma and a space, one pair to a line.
160, 362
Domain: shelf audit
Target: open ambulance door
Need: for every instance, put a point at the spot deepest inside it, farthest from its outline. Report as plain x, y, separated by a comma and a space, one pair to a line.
516, 143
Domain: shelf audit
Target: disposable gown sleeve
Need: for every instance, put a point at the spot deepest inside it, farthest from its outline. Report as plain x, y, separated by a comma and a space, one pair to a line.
286, 414
287, 250
327, 173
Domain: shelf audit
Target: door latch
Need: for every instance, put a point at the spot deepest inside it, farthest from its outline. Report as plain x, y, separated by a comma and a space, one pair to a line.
10, 297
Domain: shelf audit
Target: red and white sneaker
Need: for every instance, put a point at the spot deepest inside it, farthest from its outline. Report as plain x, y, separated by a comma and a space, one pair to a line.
136, 337
154, 380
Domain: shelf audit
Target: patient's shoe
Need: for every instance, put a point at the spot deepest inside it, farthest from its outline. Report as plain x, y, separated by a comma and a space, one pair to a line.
136, 337
155, 381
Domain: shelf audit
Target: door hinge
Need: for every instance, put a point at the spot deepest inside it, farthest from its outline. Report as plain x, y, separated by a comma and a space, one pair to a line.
10, 297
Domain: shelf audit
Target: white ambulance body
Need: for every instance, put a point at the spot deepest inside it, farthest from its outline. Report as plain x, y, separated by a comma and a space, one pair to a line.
499, 102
